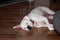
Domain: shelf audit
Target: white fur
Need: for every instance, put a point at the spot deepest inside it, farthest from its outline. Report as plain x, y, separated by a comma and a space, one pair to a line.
25, 22
36, 15
49, 11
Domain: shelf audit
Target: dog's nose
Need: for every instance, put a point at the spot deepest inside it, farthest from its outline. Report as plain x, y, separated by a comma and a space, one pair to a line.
29, 27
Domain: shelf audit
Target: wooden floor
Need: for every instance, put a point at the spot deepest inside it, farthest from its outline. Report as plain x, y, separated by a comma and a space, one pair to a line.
12, 15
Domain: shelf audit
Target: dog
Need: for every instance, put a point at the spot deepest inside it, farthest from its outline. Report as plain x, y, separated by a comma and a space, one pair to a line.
37, 18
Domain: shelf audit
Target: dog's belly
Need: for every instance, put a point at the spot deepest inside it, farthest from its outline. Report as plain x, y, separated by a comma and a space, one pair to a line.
38, 21
40, 24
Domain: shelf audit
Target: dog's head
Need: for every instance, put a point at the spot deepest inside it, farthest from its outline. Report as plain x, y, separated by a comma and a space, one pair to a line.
26, 24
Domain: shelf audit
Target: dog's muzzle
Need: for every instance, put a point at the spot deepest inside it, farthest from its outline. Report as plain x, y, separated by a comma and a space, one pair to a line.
29, 27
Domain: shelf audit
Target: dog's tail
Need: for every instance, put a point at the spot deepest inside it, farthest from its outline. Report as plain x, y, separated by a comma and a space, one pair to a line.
49, 11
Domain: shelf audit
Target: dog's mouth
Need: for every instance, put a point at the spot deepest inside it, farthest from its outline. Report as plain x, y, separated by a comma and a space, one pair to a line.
29, 27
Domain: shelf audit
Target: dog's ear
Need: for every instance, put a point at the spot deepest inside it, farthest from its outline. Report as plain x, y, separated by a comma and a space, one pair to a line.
26, 18
18, 26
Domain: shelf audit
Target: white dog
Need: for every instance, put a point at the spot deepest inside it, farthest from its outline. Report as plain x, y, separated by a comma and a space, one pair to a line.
36, 18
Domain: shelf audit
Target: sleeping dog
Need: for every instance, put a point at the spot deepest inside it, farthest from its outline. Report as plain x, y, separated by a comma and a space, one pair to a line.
37, 18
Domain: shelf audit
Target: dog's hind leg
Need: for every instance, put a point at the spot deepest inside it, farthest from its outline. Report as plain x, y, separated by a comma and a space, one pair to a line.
49, 11
47, 23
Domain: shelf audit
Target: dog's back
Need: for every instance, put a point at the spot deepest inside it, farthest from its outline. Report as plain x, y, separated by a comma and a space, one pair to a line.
37, 12
41, 11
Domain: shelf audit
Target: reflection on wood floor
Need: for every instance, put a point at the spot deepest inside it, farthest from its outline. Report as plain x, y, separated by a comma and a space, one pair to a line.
11, 16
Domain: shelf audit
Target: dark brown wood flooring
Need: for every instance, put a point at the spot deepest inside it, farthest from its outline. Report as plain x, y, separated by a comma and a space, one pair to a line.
12, 15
